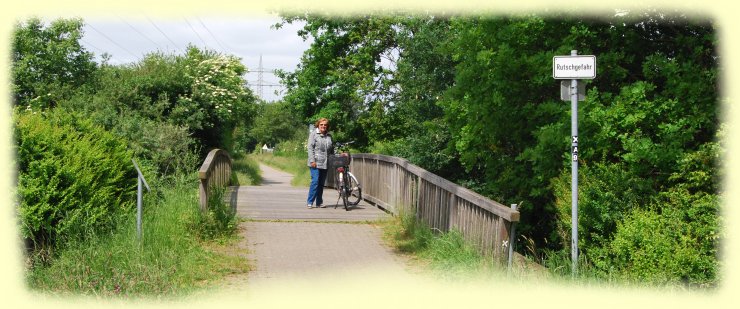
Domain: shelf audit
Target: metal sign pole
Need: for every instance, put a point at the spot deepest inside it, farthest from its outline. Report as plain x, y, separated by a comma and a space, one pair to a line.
138, 208
139, 198
574, 170
573, 68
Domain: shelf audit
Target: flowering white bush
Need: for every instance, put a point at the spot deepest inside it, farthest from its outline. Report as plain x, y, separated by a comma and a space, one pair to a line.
219, 94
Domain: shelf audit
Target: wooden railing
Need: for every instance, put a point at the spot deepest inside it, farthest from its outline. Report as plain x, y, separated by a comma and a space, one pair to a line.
215, 171
401, 187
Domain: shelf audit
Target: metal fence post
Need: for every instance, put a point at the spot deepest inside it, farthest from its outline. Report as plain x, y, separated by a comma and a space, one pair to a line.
139, 199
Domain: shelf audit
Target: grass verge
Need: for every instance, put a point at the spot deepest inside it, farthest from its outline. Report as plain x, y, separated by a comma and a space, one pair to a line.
447, 256
245, 171
292, 163
443, 255
170, 260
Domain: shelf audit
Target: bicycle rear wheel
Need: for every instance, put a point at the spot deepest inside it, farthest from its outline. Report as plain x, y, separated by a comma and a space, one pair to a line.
344, 191
354, 196
339, 185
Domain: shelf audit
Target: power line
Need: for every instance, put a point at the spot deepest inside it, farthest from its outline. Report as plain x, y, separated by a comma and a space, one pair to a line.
162, 32
111, 40
213, 36
140, 33
256, 83
93, 46
267, 85
196, 33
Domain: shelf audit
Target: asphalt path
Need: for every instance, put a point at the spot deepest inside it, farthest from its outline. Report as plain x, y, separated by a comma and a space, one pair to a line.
288, 241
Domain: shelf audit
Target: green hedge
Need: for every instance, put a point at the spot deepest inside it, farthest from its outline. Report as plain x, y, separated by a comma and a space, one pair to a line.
74, 178
677, 242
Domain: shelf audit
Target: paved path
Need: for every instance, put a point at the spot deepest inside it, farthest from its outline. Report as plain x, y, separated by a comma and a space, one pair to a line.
276, 199
286, 240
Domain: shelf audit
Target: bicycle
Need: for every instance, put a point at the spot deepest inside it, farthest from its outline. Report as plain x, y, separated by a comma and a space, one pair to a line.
348, 187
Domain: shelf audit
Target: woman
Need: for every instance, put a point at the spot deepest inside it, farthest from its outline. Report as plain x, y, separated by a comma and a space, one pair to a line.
319, 149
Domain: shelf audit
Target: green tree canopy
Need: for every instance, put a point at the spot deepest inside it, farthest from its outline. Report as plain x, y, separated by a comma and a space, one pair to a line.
49, 63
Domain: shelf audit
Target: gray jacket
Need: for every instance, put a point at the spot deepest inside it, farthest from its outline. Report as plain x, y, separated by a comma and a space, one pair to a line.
319, 149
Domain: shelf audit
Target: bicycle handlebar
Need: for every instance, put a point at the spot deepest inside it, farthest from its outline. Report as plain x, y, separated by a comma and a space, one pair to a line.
340, 145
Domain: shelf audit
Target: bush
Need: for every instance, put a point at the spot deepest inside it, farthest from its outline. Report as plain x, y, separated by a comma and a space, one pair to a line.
674, 243
169, 147
427, 149
295, 147
607, 192
629, 232
73, 177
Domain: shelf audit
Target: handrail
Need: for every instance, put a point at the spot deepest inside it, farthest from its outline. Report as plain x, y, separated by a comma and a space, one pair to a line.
399, 186
215, 171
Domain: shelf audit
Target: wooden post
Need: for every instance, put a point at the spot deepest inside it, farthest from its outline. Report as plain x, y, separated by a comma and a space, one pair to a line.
512, 238
203, 193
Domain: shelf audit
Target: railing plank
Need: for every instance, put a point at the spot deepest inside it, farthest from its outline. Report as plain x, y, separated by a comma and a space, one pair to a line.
481, 201
215, 171
397, 185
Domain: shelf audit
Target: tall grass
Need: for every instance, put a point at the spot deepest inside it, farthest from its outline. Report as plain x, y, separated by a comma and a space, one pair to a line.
168, 261
218, 221
290, 162
446, 255
245, 171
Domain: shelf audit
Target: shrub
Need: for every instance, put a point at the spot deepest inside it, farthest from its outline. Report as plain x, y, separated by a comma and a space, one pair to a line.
607, 192
674, 243
169, 147
73, 177
629, 232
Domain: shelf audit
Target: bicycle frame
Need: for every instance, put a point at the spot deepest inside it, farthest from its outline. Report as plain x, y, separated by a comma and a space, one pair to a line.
344, 179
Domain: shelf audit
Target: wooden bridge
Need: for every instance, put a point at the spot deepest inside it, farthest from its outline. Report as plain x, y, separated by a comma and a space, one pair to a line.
390, 186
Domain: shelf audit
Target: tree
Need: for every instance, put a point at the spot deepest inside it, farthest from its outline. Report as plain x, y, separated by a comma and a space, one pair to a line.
653, 106
475, 94
391, 69
275, 122
503, 92
49, 64
202, 91
339, 74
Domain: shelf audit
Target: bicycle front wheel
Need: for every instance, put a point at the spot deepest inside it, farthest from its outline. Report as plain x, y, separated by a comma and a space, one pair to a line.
354, 194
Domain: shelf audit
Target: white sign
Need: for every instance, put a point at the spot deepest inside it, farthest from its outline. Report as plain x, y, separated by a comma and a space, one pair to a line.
574, 67
565, 90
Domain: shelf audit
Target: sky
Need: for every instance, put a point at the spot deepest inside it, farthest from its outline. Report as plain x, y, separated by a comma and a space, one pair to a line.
128, 39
